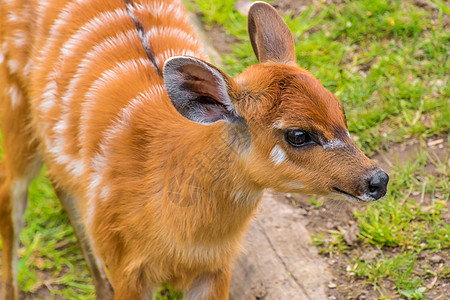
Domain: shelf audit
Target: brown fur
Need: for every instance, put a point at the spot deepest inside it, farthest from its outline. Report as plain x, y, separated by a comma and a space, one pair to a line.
157, 197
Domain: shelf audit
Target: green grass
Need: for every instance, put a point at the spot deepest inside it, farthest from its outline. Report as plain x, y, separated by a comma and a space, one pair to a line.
388, 63
401, 221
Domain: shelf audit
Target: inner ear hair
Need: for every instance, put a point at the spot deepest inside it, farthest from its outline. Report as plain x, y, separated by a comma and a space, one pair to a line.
198, 90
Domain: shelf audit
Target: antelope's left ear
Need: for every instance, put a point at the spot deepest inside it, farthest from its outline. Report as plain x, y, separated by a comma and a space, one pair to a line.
198, 90
270, 37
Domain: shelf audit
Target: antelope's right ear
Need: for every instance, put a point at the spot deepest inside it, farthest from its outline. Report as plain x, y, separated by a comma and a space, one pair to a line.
270, 37
198, 90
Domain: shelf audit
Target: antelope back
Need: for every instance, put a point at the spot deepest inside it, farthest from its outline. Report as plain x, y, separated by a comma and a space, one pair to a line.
89, 67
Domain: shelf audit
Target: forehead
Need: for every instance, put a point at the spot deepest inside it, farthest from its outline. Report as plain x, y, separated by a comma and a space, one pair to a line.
306, 104
291, 97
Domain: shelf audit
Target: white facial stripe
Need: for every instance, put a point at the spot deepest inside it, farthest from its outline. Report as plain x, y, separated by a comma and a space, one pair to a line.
277, 155
333, 144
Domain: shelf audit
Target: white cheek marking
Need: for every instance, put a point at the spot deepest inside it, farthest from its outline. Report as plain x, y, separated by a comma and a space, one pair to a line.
333, 144
277, 155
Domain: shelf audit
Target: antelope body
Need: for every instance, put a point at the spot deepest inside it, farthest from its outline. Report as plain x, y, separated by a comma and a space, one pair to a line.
158, 157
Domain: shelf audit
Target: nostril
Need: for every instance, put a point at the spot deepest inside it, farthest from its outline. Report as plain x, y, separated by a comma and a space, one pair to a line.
372, 188
377, 184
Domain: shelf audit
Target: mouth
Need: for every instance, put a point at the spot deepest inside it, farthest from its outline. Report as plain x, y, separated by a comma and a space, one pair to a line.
350, 197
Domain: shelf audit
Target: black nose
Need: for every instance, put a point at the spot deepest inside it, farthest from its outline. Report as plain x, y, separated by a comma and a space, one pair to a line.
377, 185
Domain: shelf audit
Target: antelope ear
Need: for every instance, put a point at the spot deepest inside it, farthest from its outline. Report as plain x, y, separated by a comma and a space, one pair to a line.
198, 90
270, 37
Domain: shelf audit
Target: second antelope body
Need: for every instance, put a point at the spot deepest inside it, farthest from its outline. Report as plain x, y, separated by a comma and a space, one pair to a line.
158, 157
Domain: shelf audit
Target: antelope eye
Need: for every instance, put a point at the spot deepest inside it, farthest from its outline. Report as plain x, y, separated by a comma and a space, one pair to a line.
297, 138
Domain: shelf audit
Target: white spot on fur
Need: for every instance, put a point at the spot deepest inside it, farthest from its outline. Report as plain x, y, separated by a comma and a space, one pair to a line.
333, 144
278, 124
15, 95
61, 126
27, 68
104, 193
277, 155
48, 97
13, 66
3, 53
20, 39
75, 167
13, 18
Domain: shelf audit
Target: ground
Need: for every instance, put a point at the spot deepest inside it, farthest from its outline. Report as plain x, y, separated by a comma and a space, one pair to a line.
388, 62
